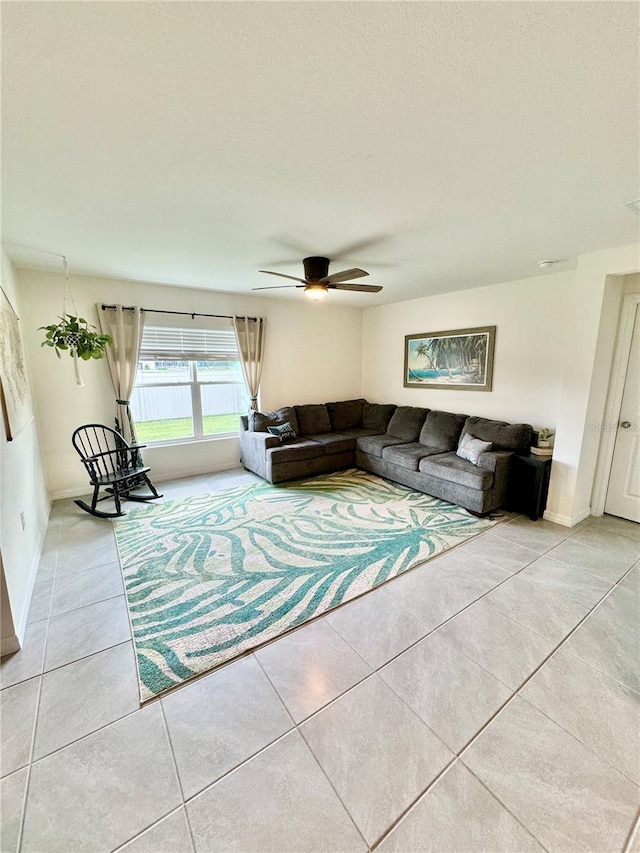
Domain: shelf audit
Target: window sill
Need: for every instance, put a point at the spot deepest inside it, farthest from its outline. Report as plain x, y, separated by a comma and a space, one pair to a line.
177, 442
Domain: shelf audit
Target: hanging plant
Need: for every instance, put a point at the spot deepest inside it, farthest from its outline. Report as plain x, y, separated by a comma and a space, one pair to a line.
73, 334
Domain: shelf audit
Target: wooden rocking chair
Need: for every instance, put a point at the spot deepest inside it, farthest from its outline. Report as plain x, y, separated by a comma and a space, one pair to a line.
113, 465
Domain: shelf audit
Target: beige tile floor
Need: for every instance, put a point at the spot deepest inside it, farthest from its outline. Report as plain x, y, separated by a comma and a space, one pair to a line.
487, 701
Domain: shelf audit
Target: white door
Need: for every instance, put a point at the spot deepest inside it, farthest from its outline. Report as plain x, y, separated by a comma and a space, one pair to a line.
623, 493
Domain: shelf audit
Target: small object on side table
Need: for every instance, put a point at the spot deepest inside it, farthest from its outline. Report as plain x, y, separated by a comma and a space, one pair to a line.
529, 483
542, 451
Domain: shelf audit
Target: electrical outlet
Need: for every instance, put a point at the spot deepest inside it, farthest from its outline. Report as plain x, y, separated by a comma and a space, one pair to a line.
22, 521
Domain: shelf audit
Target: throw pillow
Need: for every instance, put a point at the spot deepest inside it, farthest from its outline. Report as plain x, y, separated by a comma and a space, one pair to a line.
285, 432
260, 421
471, 448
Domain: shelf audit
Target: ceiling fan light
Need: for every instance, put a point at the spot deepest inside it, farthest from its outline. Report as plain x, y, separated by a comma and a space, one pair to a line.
316, 292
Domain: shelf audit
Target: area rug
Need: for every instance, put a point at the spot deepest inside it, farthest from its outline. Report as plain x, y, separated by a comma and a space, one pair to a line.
210, 577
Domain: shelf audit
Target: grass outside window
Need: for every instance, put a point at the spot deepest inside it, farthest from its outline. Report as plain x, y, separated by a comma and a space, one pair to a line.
173, 428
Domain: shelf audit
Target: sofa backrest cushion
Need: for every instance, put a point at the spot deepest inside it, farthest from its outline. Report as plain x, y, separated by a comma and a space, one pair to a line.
503, 436
261, 421
313, 419
345, 415
407, 422
376, 416
442, 430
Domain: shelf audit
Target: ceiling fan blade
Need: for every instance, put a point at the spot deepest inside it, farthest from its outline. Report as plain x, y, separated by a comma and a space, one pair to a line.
363, 288
280, 286
345, 275
282, 275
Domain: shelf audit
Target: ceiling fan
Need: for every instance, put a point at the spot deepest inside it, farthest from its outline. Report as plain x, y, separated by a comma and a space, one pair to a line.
317, 282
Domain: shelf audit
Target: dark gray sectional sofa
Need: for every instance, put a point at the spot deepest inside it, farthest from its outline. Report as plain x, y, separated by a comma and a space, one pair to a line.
406, 444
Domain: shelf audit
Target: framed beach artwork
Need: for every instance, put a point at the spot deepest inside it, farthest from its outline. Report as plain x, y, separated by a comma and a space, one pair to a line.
14, 386
461, 359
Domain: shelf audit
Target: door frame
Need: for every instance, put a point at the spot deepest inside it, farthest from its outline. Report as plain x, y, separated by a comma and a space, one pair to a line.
614, 401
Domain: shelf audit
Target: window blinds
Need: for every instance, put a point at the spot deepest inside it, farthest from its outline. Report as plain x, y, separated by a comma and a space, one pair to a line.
188, 344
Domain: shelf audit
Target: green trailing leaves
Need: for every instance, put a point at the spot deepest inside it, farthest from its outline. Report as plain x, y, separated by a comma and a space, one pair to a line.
75, 336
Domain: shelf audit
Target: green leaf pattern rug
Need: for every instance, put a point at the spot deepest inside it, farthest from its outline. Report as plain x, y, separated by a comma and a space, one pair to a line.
209, 577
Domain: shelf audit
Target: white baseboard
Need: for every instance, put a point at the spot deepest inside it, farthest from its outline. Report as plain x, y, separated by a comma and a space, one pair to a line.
567, 520
21, 624
178, 475
155, 478
9, 645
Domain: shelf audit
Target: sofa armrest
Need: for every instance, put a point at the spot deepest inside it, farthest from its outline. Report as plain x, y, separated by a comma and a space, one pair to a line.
495, 461
259, 441
499, 463
253, 450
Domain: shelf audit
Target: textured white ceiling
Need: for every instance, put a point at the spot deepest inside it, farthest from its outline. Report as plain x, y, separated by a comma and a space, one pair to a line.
439, 146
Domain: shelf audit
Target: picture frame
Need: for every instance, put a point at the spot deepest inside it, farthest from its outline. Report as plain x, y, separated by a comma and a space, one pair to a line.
457, 359
15, 397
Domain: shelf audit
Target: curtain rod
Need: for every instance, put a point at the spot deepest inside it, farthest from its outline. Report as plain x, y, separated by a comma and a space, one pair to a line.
192, 314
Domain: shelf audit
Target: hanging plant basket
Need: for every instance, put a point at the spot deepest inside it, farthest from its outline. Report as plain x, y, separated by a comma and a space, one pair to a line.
73, 334
77, 337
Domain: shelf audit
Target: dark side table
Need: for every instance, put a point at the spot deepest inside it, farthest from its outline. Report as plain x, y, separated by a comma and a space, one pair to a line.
529, 485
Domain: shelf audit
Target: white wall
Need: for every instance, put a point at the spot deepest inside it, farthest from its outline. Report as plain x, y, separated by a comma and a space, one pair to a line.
598, 282
554, 344
530, 317
22, 489
312, 355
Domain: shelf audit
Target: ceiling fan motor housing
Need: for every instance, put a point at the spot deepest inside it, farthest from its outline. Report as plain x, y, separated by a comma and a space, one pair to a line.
316, 268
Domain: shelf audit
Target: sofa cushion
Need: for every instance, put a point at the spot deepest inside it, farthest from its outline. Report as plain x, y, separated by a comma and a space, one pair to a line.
503, 436
442, 430
407, 422
295, 451
345, 415
375, 444
471, 448
376, 416
313, 419
285, 432
261, 421
334, 442
356, 432
449, 466
408, 455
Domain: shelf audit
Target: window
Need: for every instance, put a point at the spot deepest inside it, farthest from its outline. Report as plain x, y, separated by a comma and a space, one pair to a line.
189, 384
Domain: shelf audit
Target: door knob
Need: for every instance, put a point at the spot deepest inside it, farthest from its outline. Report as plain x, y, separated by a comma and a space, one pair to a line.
625, 424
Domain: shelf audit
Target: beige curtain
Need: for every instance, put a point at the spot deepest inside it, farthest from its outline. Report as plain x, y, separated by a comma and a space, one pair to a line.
250, 338
125, 327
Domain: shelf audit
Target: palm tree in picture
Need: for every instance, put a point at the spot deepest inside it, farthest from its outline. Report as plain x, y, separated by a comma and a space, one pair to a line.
422, 351
440, 350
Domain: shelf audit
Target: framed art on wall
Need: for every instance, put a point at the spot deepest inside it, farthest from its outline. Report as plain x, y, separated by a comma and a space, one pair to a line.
461, 359
14, 386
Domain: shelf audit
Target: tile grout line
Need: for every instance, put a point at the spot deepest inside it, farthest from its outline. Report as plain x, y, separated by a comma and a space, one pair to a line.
177, 772
91, 654
420, 640
296, 728
524, 683
27, 789
142, 832
331, 785
575, 737
82, 606
459, 754
448, 766
171, 750
99, 728
504, 806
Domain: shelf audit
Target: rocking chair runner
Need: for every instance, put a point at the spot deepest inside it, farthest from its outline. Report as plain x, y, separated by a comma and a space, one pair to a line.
113, 465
